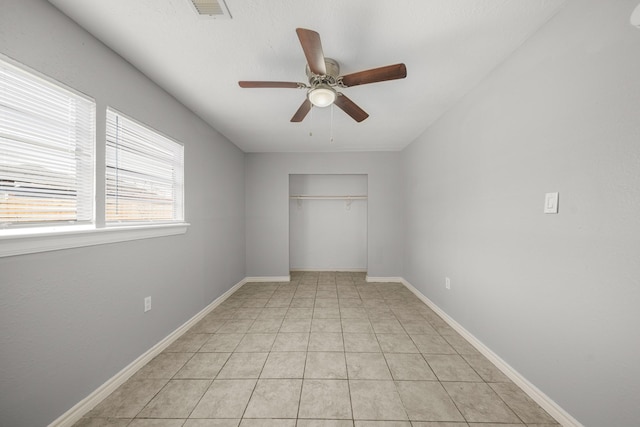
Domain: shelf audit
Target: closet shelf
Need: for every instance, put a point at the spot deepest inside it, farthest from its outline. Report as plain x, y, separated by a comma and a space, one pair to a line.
309, 197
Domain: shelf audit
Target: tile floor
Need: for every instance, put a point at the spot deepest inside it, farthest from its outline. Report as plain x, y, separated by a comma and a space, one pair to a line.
326, 349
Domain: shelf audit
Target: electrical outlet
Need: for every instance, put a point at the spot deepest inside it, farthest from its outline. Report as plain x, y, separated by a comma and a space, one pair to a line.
447, 283
147, 304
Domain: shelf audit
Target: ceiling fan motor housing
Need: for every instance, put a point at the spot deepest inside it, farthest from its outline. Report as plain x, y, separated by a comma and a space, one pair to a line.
333, 71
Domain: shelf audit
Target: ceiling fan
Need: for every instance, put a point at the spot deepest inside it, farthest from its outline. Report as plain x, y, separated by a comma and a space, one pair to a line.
324, 76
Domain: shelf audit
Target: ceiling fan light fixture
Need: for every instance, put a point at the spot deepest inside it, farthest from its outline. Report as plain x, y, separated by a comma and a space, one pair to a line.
322, 95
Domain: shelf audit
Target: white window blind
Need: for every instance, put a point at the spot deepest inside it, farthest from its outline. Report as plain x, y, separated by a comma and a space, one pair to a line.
47, 139
144, 173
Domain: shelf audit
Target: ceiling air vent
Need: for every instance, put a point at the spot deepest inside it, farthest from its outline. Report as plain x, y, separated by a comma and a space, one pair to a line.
211, 8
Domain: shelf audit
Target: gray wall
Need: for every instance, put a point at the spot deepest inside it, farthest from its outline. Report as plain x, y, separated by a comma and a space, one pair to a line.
267, 206
71, 319
556, 296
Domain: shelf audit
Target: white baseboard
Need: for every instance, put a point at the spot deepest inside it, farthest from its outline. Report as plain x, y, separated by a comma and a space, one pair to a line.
88, 403
560, 415
384, 279
268, 279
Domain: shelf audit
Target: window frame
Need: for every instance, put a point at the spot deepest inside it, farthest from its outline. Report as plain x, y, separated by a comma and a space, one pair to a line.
37, 130
44, 237
164, 139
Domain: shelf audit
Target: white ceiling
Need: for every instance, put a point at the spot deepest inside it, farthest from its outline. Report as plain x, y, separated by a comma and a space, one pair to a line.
448, 46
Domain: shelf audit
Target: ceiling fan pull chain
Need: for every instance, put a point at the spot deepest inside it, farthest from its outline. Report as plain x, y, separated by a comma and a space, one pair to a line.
331, 130
311, 122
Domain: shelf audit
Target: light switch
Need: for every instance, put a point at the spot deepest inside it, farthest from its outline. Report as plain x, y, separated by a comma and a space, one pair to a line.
551, 203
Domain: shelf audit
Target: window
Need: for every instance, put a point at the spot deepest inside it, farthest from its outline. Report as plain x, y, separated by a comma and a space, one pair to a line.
47, 140
48, 171
144, 174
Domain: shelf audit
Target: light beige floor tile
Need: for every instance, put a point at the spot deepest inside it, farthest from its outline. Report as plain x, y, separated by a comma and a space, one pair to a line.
295, 325
203, 366
302, 303
128, 399
360, 343
327, 303
418, 327
409, 366
346, 302
273, 313
265, 326
243, 365
150, 422
326, 325
451, 367
427, 401
479, 403
252, 343
396, 343
528, 410
322, 294
372, 300
324, 423
367, 366
224, 399
384, 314
102, 422
325, 365
248, 422
507, 425
255, 302
164, 365
284, 365
222, 343
452, 424
376, 400
176, 400
382, 424
212, 423
279, 302
328, 399
188, 343
387, 326
299, 313
291, 342
358, 326
353, 313
245, 313
432, 344
461, 345
485, 368
235, 326
325, 341
274, 398
344, 323
207, 325
326, 313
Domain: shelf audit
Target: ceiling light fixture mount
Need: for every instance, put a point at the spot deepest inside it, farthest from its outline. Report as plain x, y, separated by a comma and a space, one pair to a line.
321, 87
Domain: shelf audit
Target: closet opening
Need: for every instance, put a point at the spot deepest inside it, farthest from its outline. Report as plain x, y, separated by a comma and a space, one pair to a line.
328, 222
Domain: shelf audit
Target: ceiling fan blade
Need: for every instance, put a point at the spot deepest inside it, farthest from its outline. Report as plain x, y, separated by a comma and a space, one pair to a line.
350, 107
312, 47
292, 85
390, 72
302, 111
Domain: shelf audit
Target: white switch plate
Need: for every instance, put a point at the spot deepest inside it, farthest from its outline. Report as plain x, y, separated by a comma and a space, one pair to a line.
551, 203
147, 304
447, 283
